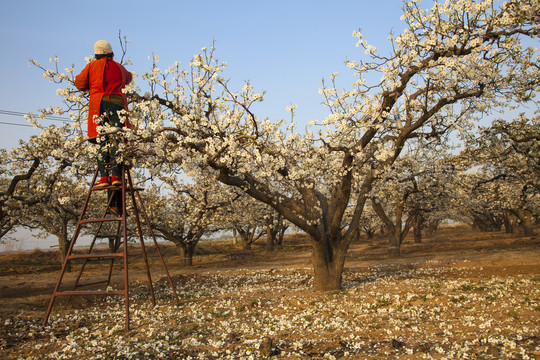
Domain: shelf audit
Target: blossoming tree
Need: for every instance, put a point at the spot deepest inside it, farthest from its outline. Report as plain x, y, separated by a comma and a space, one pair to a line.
452, 62
184, 212
412, 192
48, 197
10, 177
505, 158
466, 53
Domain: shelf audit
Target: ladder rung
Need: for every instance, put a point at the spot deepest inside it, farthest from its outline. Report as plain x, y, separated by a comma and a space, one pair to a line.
95, 256
99, 220
89, 292
119, 188
109, 187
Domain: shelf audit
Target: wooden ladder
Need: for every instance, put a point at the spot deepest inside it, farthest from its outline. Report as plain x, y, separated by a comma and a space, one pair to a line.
120, 238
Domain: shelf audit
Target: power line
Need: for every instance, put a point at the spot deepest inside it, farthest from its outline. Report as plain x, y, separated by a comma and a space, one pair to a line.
8, 123
22, 114
48, 117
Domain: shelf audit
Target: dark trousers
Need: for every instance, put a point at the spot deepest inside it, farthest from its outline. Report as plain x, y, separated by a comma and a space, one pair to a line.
108, 145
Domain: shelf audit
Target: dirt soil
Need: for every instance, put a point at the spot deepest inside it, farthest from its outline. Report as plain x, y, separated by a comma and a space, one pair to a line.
459, 294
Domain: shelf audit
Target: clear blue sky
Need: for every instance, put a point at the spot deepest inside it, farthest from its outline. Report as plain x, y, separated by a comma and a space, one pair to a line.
283, 47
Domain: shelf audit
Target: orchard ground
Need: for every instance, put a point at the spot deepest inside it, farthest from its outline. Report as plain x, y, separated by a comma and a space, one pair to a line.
460, 294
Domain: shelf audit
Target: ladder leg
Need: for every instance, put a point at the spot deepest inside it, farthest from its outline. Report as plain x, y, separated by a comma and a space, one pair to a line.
157, 246
139, 229
124, 224
72, 243
116, 246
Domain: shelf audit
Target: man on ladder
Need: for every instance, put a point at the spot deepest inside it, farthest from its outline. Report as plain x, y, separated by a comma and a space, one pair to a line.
105, 79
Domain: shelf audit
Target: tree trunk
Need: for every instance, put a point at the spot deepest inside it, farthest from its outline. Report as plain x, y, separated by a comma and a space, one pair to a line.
394, 250
417, 235
328, 262
247, 237
186, 253
397, 237
431, 226
527, 221
280, 236
245, 242
370, 233
63, 245
393, 230
328, 258
487, 222
508, 224
417, 228
269, 238
112, 244
280, 232
235, 237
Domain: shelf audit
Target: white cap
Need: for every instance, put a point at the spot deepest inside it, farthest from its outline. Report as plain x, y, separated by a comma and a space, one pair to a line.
102, 47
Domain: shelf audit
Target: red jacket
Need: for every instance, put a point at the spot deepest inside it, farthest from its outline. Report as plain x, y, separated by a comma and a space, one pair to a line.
91, 78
